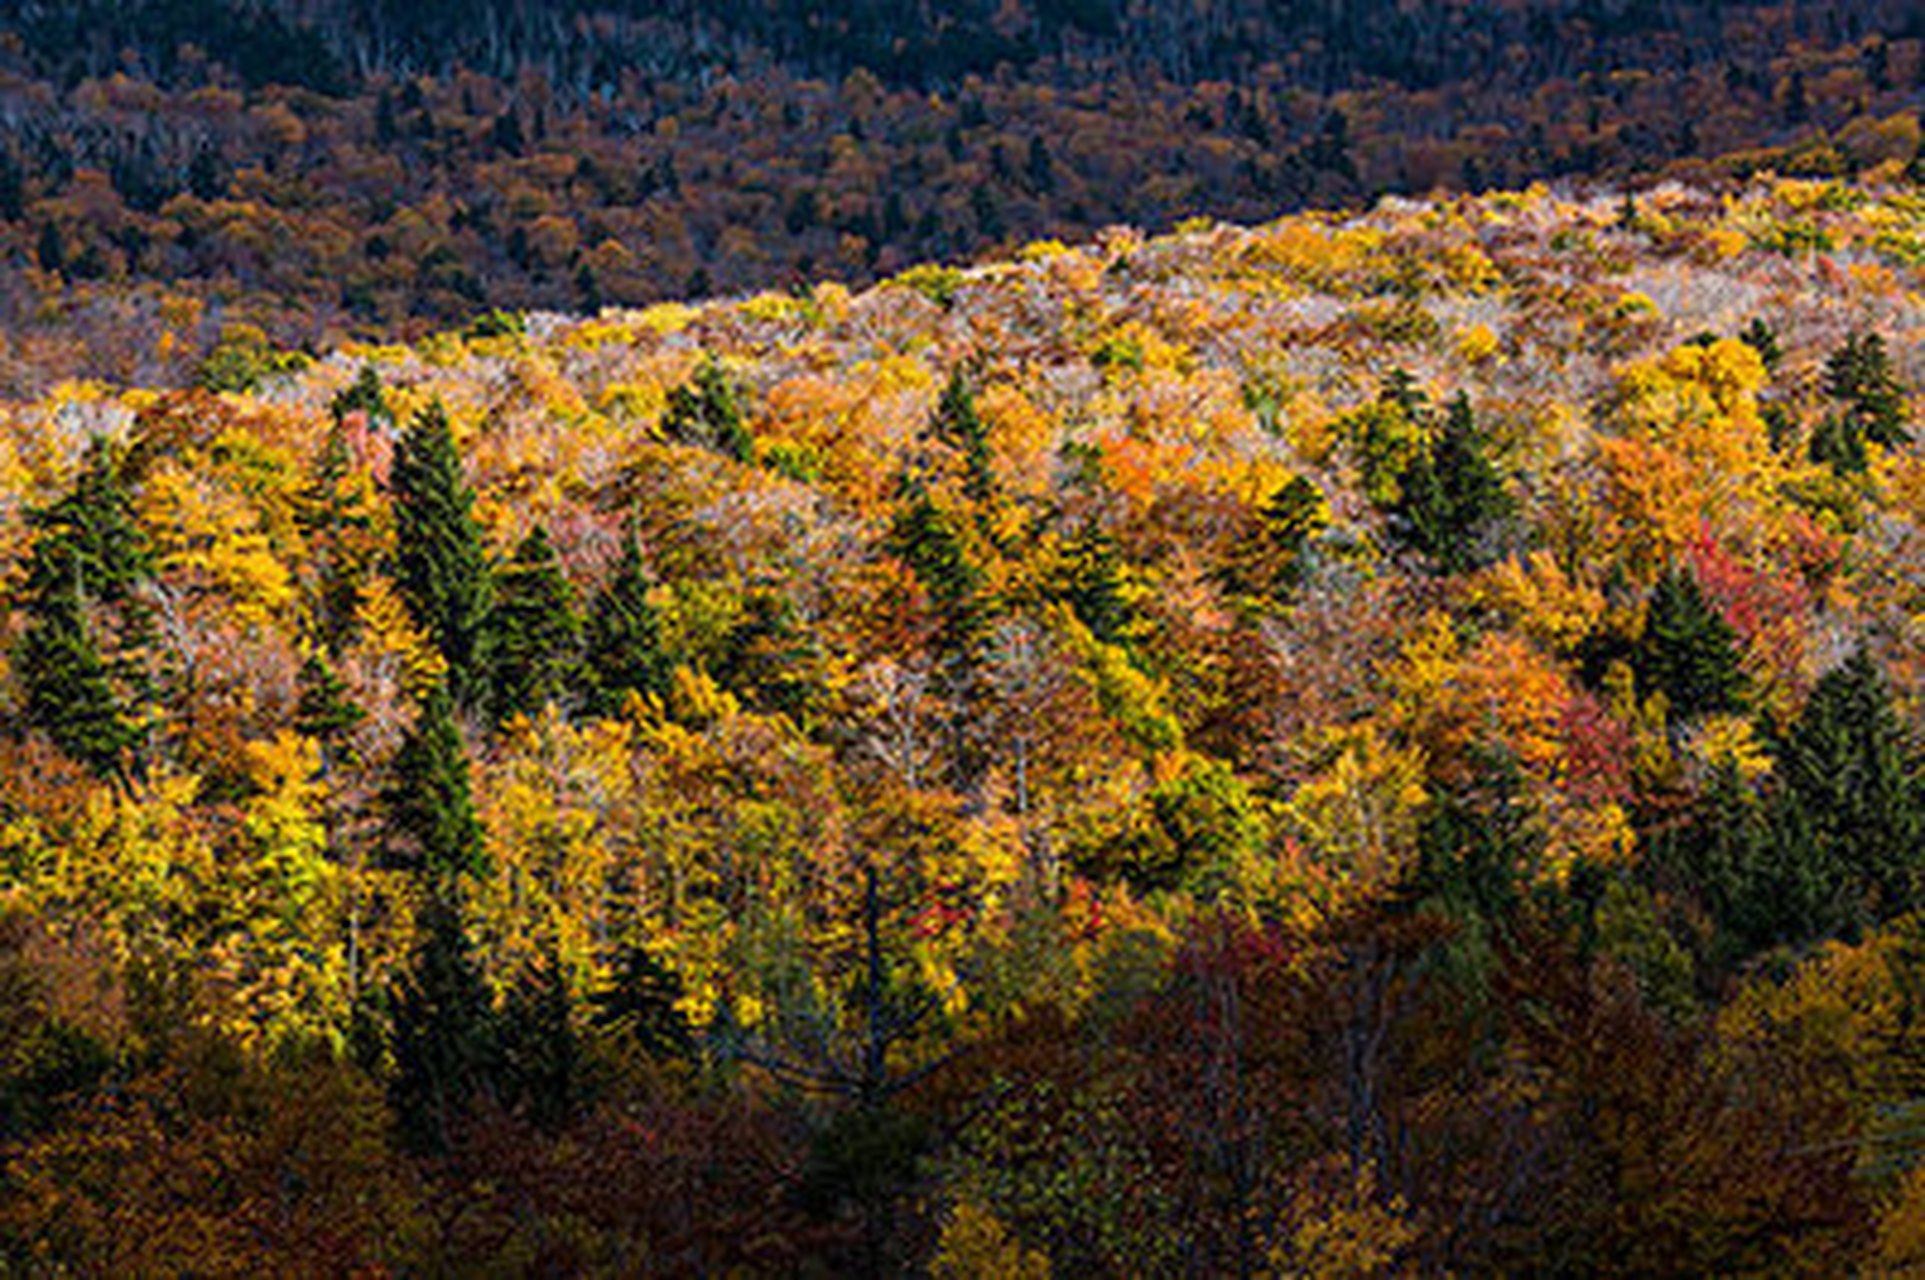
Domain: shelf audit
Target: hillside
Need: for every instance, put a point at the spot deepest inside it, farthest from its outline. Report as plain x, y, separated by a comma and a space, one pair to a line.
1379, 740
326, 170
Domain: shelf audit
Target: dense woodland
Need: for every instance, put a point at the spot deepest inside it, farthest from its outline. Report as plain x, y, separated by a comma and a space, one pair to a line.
1375, 743
327, 169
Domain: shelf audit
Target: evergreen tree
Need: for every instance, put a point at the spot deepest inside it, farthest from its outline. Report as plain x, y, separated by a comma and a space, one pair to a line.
333, 513
432, 826
541, 1057
624, 637
1096, 586
80, 657
704, 413
926, 537
958, 425
1270, 563
639, 1004
1847, 788
324, 711
1452, 504
1688, 651
441, 568
446, 1041
537, 633
1860, 374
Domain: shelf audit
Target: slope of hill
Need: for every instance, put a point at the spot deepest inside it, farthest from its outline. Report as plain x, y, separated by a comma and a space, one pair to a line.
169, 168
1379, 741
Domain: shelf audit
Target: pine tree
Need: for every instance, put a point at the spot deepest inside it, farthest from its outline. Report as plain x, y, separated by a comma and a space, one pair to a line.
334, 515
1688, 651
446, 1041
624, 637
927, 539
1096, 585
1452, 504
432, 827
541, 1054
537, 633
704, 413
1847, 782
441, 567
80, 657
958, 425
1860, 374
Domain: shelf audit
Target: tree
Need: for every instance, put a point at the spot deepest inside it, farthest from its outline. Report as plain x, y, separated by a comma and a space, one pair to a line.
703, 412
441, 567
1689, 652
624, 637
432, 826
537, 634
79, 658
958, 425
446, 1040
1848, 790
1451, 502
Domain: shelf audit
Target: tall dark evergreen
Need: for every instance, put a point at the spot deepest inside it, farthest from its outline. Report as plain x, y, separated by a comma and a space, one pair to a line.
1688, 651
929, 541
1860, 377
1270, 564
446, 1038
537, 632
703, 412
640, 1005
1452, 504
624, 637
432, 828
959, 425
1848, 789
1096, 584
80, 658
541, 1053
441, 566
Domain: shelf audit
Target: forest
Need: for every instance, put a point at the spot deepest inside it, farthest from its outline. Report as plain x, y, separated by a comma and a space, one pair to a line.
337, 170
1375, 742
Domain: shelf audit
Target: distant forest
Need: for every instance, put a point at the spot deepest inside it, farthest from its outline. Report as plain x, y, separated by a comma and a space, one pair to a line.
172, 169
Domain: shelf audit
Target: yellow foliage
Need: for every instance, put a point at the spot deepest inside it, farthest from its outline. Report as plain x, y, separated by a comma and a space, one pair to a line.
976, 1246
388, 630
1536, 596
1359, 806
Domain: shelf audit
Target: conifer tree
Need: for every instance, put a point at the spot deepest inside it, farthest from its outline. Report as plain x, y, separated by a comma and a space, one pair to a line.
441, 567
432, 828
1860, 374
624, 637
1452, 503
1847, 784
537, 633
79, 657
640, 1004
541, 1054
446, 1038
1095, 588
703, 412
958, 425
926, 537
1689, 652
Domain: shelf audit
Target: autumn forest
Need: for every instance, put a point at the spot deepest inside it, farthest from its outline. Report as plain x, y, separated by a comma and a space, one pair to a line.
1061, 639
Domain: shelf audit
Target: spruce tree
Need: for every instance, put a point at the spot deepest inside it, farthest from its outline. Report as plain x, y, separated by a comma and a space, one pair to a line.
624, 637
432, 828
1452, 503
1096, 586
1860, 374
441, 567
639, 1004
446, 1038
958, 425
1688, 651
927, 539
541, 1054
537, 633
80, 657
704, 413
1846, 781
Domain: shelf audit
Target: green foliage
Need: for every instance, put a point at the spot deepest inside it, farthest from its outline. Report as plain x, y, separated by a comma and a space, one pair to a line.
1860, 376
624, 637
441, 567
703, 412
1452, 506
929, 541
446, 1040
1095, 587
432, 828
958, 425
79, 657
639, 1005
537, 636
1688, 652
243, 360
